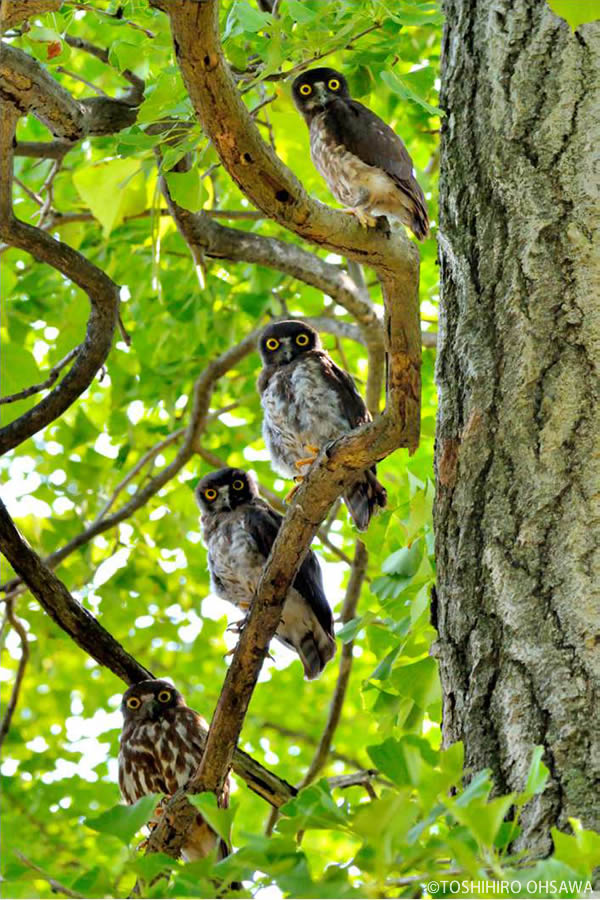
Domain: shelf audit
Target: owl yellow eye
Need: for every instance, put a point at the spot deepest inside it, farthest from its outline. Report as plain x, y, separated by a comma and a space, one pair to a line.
305, 90
210, 494
238, 485
272, 344
164, 696
134, 703
334, 85
302, 340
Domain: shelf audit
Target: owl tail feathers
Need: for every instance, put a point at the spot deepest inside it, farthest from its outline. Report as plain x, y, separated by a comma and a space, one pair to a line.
420, 222
364, 498
315, 650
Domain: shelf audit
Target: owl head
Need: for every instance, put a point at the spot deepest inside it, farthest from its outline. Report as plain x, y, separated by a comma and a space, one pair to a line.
225, 489
149, 700
313, 90
283, 342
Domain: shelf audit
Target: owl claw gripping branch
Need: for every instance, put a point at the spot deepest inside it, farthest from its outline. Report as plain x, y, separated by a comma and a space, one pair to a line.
364, 162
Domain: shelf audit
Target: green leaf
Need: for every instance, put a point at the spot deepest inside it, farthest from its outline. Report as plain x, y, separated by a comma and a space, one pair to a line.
404, 562
187, 189
221, 820
300, 11
104, 188
400, 86
576, 12
124, 822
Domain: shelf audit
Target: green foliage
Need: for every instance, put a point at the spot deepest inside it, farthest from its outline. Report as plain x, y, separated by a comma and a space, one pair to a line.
146, 579
576, 12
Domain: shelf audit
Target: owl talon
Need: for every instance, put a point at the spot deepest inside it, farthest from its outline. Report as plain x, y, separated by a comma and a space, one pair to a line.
298, 479
365, 220
307, 461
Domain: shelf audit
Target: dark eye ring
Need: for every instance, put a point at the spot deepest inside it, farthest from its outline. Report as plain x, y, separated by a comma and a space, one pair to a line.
334, 85
164, 696
210, 494
305, 90
134, 703
238, 485
302, 340
272, 344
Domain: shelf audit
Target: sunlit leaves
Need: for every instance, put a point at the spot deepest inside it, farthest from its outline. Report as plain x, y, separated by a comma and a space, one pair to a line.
124, 822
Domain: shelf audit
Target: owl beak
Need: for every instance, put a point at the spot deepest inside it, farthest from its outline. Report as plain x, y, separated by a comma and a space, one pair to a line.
153, 709
320, 93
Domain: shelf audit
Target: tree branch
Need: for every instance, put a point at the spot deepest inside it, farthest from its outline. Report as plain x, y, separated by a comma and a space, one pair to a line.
49, 381
103, 294
27, 85
355, 583
55, 599
273, 188
201, 395
85, 630
17, 625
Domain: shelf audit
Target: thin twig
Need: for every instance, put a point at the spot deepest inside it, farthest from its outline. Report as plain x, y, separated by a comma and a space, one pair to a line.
76, 77
149, 455
36, 388
104, 12
55, 885
17, 625
355, 582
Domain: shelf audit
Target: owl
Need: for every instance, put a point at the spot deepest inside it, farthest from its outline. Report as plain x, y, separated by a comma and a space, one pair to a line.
239, 530
364, 162
308, 401
161, 748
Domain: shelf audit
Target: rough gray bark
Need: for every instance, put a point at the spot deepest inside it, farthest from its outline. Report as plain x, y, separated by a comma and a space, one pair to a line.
516, 458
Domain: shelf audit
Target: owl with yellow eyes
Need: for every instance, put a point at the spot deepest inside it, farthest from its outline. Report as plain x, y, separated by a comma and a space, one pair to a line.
239, 529
308, 401
364, 162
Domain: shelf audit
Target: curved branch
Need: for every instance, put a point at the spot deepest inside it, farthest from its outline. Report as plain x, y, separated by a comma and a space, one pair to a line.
58, 603
209, 239
95, 640
355, 583
27, 85
48, 382
201, 395
17, 625
273, 188
103, 294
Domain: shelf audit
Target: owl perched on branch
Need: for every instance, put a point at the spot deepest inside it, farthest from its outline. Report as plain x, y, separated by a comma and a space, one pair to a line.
239, 530
364, 162
161, 749
308, 401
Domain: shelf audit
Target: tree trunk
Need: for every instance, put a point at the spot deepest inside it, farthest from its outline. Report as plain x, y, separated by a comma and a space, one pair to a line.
518, 430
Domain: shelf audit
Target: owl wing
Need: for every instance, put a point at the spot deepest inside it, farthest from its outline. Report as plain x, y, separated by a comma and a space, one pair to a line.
263, 523
367, 136
343, 384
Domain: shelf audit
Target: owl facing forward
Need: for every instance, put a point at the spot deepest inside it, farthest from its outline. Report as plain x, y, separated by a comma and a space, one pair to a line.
364, 162
239, 530
160, 750
308, 402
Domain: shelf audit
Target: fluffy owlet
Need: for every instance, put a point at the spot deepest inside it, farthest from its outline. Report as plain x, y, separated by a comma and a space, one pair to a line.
239, 530
161, 748
364, 162
308, 401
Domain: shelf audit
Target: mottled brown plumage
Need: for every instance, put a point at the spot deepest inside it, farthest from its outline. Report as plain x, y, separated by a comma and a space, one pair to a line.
161, 748
363, 161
